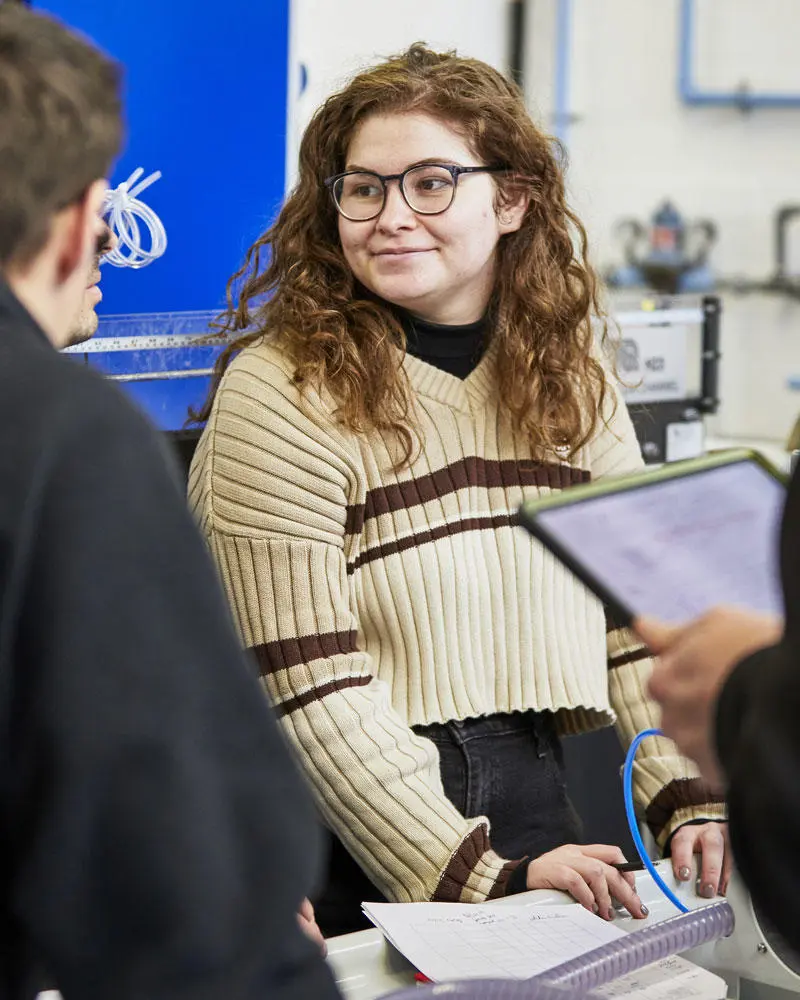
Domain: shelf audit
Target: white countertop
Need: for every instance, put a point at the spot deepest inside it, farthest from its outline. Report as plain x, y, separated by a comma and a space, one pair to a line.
367, 967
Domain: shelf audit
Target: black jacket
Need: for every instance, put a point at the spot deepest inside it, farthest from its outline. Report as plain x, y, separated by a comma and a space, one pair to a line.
758, 742
155, 838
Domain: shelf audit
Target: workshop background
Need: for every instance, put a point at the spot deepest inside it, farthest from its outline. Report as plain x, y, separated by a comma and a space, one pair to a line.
681, 124
691, 102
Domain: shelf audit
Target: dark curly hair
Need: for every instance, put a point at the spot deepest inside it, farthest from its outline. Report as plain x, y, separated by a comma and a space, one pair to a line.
340, 335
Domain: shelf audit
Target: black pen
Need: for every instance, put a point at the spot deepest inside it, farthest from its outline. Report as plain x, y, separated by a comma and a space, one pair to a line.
629, 866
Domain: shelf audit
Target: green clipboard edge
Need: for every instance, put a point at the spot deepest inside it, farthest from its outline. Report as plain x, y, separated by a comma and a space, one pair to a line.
529, 511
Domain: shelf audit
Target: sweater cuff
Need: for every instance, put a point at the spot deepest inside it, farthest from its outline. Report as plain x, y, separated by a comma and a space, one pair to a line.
682, 801
518, 879
666, 851
475, 873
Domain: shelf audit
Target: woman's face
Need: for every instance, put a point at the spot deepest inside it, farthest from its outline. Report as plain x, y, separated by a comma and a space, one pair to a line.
438, 267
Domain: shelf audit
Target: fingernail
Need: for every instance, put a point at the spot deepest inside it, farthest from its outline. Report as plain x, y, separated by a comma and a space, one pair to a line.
684, 874
707, 891
610, 915
595, 908
645, 911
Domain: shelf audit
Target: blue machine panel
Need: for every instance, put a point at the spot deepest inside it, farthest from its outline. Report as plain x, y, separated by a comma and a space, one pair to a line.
206, 105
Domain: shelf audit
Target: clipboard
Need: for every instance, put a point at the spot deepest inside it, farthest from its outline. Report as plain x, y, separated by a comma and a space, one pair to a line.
671, 542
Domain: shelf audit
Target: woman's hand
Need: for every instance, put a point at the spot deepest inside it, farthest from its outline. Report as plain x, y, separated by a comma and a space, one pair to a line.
710, 841
310, 927
585, 872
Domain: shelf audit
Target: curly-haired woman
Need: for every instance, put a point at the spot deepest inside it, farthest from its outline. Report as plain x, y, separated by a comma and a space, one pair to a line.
419, 357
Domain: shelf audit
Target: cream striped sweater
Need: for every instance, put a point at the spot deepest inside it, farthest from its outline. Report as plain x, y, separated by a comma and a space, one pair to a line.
375, 600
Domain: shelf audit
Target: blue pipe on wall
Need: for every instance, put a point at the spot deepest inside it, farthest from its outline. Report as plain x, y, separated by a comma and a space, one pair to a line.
561, 112
690, 94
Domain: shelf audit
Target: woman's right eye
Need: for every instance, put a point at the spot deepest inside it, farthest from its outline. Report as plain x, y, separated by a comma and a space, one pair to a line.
365, 191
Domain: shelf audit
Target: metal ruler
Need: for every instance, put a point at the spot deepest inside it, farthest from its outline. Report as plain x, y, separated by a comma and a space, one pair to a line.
161, 342
168, 342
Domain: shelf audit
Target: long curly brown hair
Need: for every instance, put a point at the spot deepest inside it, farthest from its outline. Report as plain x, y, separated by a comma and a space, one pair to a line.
341, 336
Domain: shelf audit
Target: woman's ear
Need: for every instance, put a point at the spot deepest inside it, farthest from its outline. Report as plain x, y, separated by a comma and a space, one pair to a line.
512, 205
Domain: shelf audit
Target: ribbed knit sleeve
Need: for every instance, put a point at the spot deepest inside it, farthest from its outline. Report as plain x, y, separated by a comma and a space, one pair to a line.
668, 788
273, 484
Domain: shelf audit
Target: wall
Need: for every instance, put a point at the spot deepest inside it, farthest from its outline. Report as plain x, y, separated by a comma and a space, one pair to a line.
206, 105
632, 143
332, 39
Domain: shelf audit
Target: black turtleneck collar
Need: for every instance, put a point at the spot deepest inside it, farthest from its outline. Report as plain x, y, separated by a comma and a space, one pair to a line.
453, 349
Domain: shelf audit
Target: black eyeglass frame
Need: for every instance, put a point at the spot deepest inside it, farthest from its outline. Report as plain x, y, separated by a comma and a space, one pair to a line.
453, 169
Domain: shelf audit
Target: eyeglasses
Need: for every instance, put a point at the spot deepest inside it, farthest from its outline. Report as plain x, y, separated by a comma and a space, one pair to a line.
429, 189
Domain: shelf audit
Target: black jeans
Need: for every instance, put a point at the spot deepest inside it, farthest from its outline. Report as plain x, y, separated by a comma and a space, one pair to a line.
507, 767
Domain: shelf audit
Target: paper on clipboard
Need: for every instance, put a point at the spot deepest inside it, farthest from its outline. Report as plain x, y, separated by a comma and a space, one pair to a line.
448, 941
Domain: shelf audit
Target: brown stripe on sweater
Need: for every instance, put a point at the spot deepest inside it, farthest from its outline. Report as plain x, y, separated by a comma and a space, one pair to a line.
320, 692
354, 519
465, 473
461, 866
284, 653
501, 885
680, 793
423, 537
633, 656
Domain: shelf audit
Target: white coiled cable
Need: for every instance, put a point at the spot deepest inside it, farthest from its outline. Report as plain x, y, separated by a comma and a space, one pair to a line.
124, 212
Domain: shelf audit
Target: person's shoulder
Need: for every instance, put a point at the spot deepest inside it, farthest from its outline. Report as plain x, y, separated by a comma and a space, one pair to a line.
76, 409
261, 402
72, 432
53, 392
265, 363
612, 447
264, 375
88, 395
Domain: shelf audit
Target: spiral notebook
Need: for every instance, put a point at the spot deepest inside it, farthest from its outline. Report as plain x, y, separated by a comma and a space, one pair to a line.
448, 941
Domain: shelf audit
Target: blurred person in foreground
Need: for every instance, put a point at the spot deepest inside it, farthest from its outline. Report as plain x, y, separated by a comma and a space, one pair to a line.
729, 689
86, 323
142, 851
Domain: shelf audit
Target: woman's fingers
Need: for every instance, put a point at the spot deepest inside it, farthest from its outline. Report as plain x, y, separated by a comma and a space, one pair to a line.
586, 873
569, 880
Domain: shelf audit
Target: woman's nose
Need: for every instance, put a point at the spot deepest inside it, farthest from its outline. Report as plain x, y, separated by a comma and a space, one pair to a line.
395, 213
